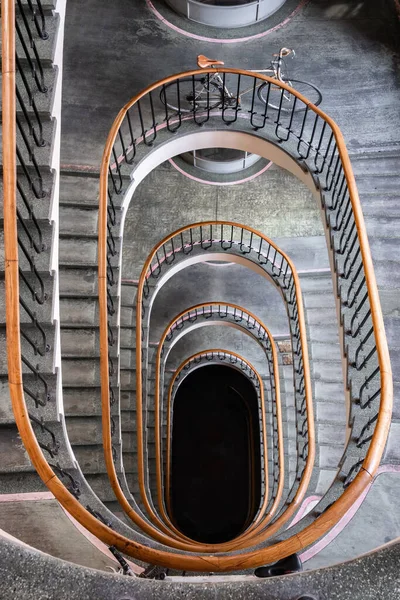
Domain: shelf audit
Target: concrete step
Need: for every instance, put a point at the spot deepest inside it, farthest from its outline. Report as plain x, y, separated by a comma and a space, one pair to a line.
378, 164
45, 48
315, 282
48, 6
133, 486
374, 183
323, 333
129, 461
21, 482
82, 401
78, 280
116, 509
325, 370
383, 248
47, 411
127, 316
14, 457
91, 459
307, 253
81, 371
322, 300
321, 316
376, 206
384, 226
43, 311
100, 484
83, 431
79, 310
389, 302
127, 399
84, 340
331, 434
127, 357
79, 188
128, 421
392, 451
387, 271
128, 337
392, 328
329, 456
129, 441
78, 221
78, 250
396, 400
325, 350
331, 412
43, 100
127, 378
325, 479
46, 345
128, 294
6, 412
43, 153
42, 260
40, 206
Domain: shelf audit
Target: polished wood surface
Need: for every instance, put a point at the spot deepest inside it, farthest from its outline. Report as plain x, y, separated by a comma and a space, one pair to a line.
323, 523
169, 433
265, 518
190, 562
302, 488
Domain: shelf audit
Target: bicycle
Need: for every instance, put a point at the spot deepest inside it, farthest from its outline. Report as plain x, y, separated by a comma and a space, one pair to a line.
210, 92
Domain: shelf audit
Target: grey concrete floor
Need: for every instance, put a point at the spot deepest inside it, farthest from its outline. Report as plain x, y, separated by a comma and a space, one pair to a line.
369, 528
43, 525
114, 49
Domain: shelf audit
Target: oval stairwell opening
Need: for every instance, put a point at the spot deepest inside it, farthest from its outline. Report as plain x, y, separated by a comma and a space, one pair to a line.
216, 459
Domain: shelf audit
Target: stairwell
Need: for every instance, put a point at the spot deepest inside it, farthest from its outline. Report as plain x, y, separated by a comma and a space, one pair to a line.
17, 473
378, 182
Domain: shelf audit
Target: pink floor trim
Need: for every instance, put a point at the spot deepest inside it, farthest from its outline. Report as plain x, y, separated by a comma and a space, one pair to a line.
338, 528
29, 497
307, 505
226, 41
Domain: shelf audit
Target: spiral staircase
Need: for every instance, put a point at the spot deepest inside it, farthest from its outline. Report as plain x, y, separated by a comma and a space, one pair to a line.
99, 344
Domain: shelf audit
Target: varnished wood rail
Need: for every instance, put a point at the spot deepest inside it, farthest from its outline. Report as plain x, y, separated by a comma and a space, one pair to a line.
262, 516
177, 560
258, 534
196, 359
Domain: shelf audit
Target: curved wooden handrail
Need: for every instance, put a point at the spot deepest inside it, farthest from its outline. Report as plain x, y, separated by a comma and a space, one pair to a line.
172, 560
374, 454
302, 488
264, 428
262, 516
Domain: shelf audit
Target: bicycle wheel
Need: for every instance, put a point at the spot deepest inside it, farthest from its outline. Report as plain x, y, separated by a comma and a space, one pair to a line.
310, 91
183, 98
